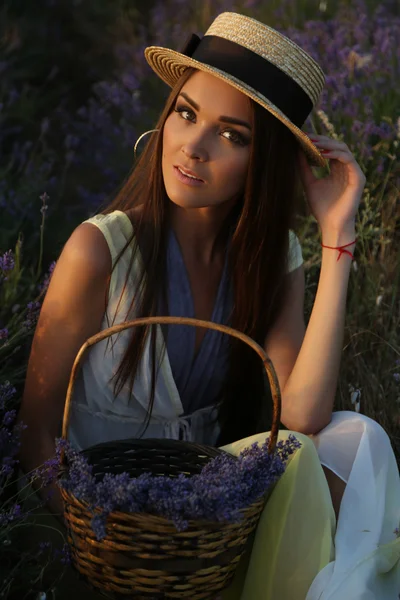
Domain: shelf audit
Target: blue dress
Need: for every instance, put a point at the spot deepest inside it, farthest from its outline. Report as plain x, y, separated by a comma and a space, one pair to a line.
199, 378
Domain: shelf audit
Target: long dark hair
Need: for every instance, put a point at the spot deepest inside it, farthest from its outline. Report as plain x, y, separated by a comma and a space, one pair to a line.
258, 256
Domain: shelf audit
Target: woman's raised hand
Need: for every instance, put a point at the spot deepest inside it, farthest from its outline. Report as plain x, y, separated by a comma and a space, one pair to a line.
333, 199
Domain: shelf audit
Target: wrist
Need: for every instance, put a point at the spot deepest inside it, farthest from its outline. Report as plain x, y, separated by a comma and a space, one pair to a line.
339, 237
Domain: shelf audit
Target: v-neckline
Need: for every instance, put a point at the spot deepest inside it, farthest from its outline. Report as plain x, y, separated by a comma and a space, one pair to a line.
195, 356
166, 365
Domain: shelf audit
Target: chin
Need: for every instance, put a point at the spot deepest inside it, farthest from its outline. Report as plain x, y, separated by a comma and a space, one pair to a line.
187, 198
189, 202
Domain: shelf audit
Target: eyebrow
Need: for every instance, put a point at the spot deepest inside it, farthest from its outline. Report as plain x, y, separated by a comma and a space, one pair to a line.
223, 118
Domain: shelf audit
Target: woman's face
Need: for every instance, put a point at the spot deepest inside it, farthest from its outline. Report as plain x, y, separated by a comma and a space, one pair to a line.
208, 134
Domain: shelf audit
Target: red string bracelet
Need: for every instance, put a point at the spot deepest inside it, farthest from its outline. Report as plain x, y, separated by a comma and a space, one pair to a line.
341, 249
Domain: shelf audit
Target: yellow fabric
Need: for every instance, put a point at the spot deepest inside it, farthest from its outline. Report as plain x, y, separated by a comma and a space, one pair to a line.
294, 537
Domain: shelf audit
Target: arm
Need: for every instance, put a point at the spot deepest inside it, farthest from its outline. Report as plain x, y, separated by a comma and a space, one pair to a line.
72, 311
307, 362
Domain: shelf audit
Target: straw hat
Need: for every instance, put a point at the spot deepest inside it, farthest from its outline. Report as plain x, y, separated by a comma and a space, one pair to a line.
257, 60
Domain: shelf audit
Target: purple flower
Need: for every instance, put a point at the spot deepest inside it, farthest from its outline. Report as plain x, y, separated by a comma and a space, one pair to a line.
7, 391
43, 546
46, 281
224, 487
44, 198
63, 554
9, 418
7, 264
48, 472
6, 468
32, 315
13, 514
9, 437
4, 334
98, 525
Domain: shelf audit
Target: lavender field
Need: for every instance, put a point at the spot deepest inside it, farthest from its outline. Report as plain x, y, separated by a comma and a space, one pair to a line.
75, 94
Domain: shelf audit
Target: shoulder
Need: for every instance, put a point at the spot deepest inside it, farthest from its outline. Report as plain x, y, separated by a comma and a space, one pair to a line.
79, 280
112, 231
88, 250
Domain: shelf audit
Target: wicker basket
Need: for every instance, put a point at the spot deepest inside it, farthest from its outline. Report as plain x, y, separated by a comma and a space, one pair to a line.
143, 556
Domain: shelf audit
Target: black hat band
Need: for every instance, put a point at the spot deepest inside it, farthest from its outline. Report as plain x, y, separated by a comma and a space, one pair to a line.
253, 70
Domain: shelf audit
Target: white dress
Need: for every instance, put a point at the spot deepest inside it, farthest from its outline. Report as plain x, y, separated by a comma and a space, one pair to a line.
96, 415
358, 450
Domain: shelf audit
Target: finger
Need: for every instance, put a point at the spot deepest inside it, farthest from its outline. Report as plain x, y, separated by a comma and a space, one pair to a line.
325, 139
331, 144
341, 155
315, 136
306, 175
355, 173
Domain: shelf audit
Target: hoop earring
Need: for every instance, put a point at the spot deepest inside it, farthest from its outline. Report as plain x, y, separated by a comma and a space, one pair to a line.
139, 138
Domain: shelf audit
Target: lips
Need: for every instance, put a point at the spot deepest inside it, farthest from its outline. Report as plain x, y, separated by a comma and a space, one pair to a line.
189, 172
187, 180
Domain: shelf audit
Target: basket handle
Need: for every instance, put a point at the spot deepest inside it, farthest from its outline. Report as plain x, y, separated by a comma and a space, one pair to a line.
98, 337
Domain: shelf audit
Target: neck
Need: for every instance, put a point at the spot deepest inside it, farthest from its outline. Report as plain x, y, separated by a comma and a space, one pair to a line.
198, 232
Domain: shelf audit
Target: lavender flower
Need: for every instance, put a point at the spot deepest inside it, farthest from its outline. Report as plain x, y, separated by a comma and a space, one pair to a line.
4, 334
32, 315
47, 473
225, 486
44, 546
9, 418
13, 514
7, 391
9, 446
46, 281
7, 264
63, 555
9, 438
44, 198
98, 525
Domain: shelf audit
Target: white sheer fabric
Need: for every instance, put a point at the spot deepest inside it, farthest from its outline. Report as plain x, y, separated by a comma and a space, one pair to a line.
299, 552
358, 450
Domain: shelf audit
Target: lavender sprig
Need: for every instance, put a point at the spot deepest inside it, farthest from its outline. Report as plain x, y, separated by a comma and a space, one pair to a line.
225, 486
7, 263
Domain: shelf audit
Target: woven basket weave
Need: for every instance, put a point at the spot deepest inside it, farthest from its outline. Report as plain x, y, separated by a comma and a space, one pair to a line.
143, 556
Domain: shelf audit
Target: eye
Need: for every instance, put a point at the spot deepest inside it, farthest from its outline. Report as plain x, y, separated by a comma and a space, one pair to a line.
235, 137
185, 112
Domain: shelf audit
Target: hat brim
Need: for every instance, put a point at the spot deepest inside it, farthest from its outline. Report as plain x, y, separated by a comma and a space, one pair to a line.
170, 65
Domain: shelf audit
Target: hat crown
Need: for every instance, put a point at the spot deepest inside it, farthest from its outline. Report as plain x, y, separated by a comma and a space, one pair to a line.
272, 46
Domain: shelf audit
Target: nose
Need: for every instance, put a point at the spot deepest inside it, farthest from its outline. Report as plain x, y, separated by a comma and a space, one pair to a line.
195, 146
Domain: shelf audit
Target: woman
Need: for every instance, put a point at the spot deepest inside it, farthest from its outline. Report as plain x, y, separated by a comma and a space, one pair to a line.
202, 228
